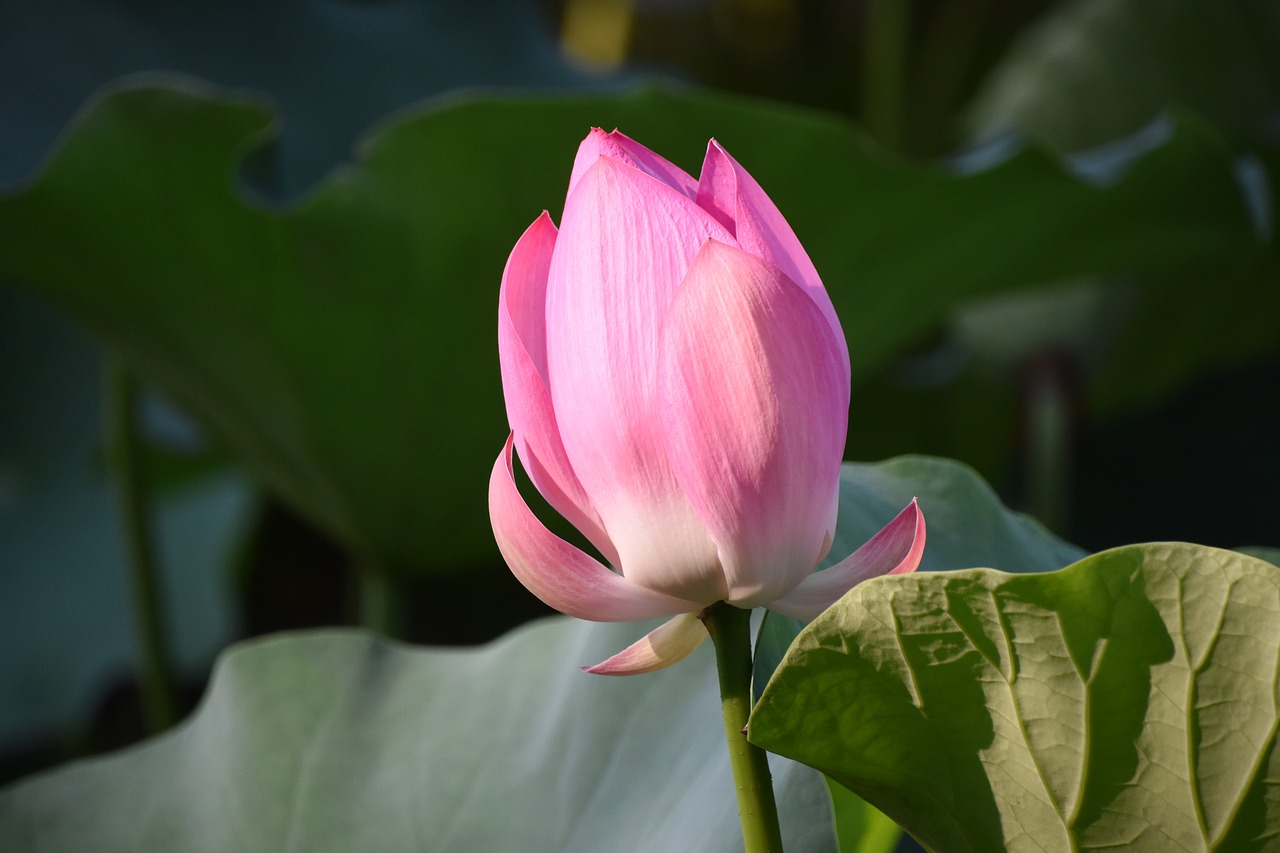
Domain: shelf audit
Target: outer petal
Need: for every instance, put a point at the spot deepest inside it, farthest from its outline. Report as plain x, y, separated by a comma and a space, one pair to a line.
522, 351
895, 550
558, 573
670, 643
621, 147
729, 193
624, 246
755, 412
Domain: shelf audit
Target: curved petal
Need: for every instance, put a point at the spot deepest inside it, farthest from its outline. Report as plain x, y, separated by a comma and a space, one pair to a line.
895, 550
558, 573
755, 413
621, 147
624, 245
522, 353
728, 192
670, 643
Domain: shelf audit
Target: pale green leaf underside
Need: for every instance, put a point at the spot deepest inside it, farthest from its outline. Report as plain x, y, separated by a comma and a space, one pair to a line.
337, 741
340, 740
1126, 702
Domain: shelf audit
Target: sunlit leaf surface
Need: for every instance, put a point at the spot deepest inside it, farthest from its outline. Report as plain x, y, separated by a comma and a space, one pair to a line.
1126, 702
967, 524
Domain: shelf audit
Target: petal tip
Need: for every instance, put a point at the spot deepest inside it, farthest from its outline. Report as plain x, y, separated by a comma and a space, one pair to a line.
563, 576
667, 644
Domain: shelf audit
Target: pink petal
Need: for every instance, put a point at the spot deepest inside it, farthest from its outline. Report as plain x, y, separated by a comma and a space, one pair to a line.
522, 351
728, 192
624, 246
895, 550
755, 412
670, 643
558, 573
620, 147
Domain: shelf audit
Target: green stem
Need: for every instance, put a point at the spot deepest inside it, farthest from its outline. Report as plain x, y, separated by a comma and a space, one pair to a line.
1049, 419
125, 452
884, 71
730, 630
377, 608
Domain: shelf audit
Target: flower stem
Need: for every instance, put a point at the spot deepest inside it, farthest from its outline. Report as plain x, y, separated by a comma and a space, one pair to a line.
120, 392
377, 605
884, 74
730, 630
1049, 416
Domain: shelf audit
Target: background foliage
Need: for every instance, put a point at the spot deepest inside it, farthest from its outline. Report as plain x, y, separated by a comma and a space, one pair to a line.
339, 740
1048, 228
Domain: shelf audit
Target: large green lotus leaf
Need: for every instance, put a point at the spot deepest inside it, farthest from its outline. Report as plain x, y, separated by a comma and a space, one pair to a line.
338, 741
966, 523
1125, 702
345, 347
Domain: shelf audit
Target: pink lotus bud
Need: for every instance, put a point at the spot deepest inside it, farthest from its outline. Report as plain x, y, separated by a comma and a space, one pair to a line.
677, 385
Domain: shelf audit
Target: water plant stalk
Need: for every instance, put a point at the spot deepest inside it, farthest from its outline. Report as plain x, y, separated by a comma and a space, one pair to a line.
124, 450
730, 630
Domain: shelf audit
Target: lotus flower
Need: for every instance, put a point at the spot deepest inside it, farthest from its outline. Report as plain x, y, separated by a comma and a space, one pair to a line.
677, 385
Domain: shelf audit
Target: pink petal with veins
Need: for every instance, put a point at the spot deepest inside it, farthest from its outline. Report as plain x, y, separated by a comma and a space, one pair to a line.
621, 147
522, 352
755, 404
624, 246
728, 192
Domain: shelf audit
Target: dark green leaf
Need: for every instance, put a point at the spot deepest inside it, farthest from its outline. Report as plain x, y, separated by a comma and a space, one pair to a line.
346, 347
1096, 70
1096, 75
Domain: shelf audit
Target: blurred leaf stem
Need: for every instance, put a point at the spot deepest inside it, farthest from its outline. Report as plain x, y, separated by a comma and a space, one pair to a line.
1050, 416
125, 456
377, 602
888, 30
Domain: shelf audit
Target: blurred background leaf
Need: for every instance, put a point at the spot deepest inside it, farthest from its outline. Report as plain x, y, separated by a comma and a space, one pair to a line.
64, 603
331, 69
401, 727
339, 347
1097, 70
342, 741
1098, 337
